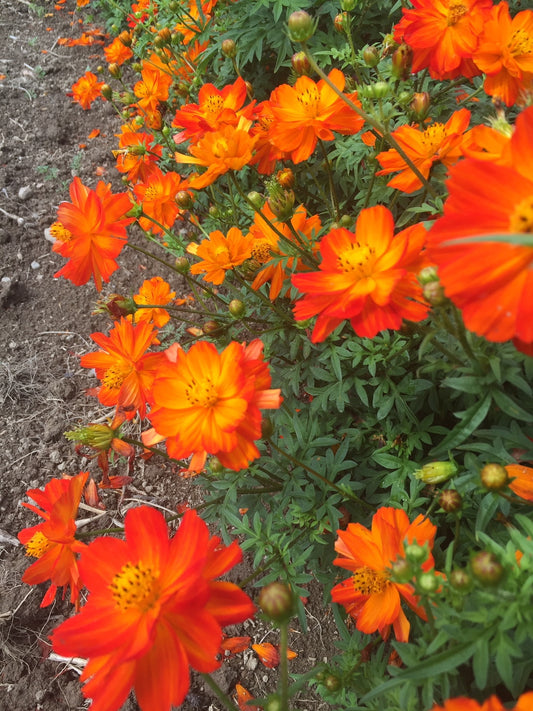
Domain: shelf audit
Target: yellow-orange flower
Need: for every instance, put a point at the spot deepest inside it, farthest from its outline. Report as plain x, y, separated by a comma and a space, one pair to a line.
229, 148
443, 35
124, 366
154, 85
87, 89
493, 703
505, 54
368, 277
438, 143
521, 480
210, 403
309, 111
137, 154
220, 253
369, 595
156, 293
158, 198
267, 243
52, 542
117, 52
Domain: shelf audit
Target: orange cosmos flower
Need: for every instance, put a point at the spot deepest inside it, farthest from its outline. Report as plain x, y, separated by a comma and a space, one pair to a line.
87, 89
215, 108
491, 282
267, 243
368, 277
206, 402
229, 148
117, 52
94, 232
369, 595
219, 253
521, 480
462, 703
158, 198
154, 85
154, 609
124, 367
488, 143
309, 111
266, 153
154, 291
438, 143
443, 35
52, 542
505, 54
137, 154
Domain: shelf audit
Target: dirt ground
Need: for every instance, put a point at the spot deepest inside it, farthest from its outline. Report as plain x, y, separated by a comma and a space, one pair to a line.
44, 327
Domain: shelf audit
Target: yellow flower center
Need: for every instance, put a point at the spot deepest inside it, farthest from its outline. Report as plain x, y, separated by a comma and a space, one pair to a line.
262, 252
115, 376
433, 136
135, 585
202, 394
309, 98
359, 260
38, 545
522, 218
151, 193
368, 582
456, 11
60, 232
521, 42
214, 104
220, 148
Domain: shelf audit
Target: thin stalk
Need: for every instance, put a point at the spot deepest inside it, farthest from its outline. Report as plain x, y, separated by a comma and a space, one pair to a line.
152, 256
283, 665
333, 194
221, 696
377, 125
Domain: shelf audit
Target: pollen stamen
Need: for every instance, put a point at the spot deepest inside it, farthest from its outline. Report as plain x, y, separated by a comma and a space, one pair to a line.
135, 585
38, 544
368, 582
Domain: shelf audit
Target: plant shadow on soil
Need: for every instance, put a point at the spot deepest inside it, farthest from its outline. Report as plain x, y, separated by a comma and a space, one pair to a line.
45, 327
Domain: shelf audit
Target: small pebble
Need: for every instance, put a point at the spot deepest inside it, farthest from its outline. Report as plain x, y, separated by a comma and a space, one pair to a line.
35, 265
25, 192
12, 345
48, 236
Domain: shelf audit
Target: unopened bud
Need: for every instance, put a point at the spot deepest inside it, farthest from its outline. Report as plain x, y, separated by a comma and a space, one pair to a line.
107, 92
370, 56
285, 178
256, 199
215, 465
348, 5
416, 554
282, 205
236, 308
434, 293
420, 104
436, 472
165, 34
125, 38
115, 70
450, 500
402, 59
494, 477
301, 26
460, 580
300, 64
342, 22
401, 571
277, 601
184, 200
182, 265
229, 48
332, 682
427, 275
427, 583
486, 568
211, 327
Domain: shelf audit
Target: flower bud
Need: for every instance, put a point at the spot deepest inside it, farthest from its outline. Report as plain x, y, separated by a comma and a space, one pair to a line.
236, 308
229, 48
214, 211
215, 465
342, 22
486, 568
301, 26
211, 327
182, 265
404, 97
347, 221
267, 428
436, 472
115, 306
285, 178
165, 35
427, 275
416, 554
125, 38
494, 477
450, 500
401, 571
183, 89
184, 200
300, 64
370, 56
282, 205
277, 601
460, 580
427, 583
256, 199
348, 5
107, 92
332, 682
115, 70
97, 436
420, 104
402, 59
434, 293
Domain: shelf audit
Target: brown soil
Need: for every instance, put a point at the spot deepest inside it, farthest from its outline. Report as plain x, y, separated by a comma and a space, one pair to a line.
45, 327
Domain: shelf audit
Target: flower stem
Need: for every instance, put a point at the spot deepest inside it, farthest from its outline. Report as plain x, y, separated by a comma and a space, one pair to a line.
283, 666
221, 696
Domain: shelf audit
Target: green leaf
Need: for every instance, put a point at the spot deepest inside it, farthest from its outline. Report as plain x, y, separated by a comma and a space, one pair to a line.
509, 406
471, 420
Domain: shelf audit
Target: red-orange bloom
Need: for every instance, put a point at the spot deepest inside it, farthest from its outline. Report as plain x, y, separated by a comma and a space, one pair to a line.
229, 148
158, 198
87, 89
156, 294
154, 609
369, 595
438, 143
443, 35
268, 243
52, 542
490, 281
505, 54
368, 277
462, 703
137, 154
96, 225
154, 85
215, 108
206, 402
309, 111
117, 52
219, 253
124, 367
521, 480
